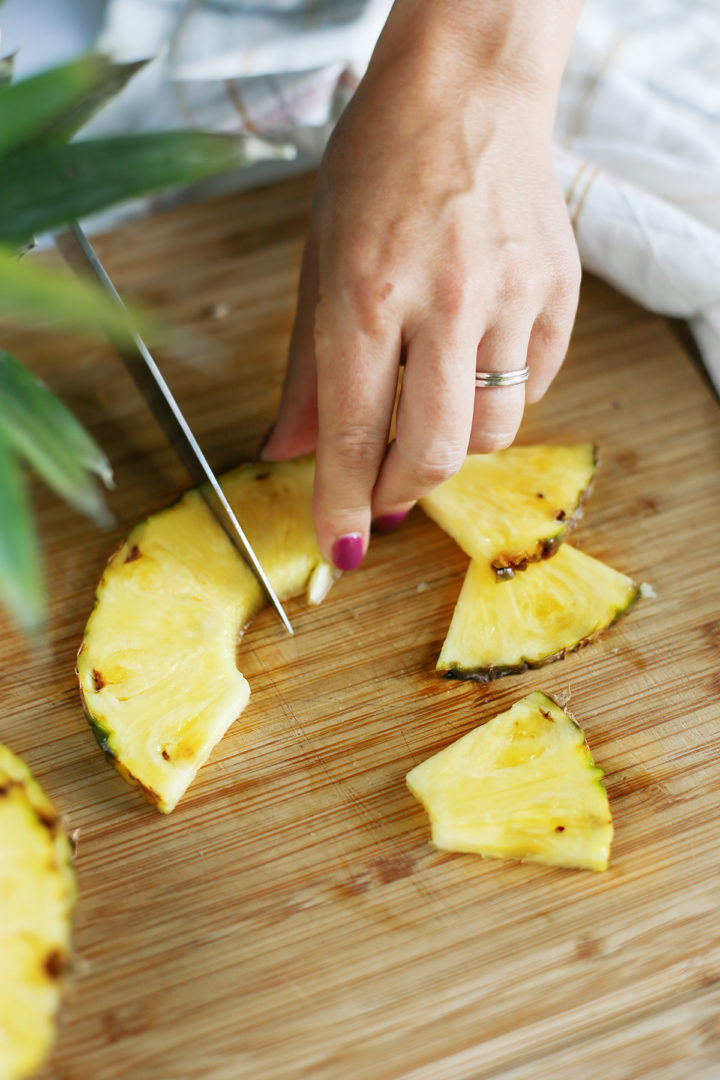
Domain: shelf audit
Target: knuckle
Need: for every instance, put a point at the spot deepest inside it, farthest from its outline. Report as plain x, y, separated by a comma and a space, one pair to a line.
368, 288
519, 286
487, 442
566, 275
355, 448
451, 300
435, 466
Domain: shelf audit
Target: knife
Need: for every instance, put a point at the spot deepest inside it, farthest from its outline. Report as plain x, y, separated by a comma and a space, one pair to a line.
80, 254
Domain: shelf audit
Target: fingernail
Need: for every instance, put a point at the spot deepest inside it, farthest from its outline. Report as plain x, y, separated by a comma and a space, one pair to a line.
265, 441
347, 551
388, 522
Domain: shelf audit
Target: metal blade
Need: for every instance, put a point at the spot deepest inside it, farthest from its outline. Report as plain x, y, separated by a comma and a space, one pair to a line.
80, 253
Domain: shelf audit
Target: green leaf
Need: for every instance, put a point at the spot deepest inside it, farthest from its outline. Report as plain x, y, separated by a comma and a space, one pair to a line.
21, 584
7, 65
48, 186
41, 430
54, 104
31, 291
110, 80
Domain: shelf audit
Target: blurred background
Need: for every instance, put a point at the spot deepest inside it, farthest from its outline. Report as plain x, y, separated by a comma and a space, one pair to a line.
46, 32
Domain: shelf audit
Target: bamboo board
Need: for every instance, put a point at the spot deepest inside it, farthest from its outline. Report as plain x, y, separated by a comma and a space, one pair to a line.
290, 920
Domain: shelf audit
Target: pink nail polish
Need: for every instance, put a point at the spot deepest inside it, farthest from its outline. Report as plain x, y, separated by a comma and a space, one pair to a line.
388, 522
347, 551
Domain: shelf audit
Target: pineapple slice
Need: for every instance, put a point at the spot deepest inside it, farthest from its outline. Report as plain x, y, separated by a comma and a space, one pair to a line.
523, 786
157, 664
553, 608
37, 897
514, 506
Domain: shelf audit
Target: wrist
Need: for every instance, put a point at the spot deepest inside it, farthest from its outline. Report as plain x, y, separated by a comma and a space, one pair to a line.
518, 47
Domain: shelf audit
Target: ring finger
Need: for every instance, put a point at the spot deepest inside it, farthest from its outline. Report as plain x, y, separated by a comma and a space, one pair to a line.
498, 410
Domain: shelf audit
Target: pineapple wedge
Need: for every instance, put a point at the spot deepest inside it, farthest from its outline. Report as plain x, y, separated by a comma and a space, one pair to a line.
157, 665
523, 786
501, 628
37, 897
515, 506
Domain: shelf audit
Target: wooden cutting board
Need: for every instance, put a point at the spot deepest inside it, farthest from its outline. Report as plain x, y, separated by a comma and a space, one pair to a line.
290, 919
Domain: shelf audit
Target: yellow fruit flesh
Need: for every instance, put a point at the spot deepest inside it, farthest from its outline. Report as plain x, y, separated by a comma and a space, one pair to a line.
500, 627
523, 786
157, 666
515, 505
37, 896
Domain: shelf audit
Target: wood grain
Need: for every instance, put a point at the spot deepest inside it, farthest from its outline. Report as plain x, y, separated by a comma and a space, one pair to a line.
290, 920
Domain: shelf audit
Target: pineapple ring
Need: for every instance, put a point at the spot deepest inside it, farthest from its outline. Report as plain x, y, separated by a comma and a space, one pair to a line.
37, 897
176, 596
157, 666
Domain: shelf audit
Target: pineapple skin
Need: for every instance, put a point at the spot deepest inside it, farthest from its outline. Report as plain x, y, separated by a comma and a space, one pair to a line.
484, 673
473, 809
38, 894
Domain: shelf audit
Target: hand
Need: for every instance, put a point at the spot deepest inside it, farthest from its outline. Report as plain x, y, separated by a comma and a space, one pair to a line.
438, 237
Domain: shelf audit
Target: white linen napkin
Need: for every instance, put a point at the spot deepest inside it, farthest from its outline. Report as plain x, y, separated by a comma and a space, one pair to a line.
637, 134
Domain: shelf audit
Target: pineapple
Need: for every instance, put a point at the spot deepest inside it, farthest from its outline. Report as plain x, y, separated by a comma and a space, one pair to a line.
157, 664
515, 506
523, 786
500, 628
37, 896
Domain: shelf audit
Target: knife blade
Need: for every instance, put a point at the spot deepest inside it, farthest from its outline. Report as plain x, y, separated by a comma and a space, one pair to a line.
80, 254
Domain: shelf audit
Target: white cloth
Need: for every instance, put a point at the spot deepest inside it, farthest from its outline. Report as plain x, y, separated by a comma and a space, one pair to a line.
637, 134
638, 155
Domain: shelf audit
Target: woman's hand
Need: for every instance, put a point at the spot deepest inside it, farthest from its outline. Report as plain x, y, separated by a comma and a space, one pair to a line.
439, 237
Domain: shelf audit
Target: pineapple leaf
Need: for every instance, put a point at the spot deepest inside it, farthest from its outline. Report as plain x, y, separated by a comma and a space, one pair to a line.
110, 80
21, 584
55, 103
41, 430
7, 65
31, 290
47, 186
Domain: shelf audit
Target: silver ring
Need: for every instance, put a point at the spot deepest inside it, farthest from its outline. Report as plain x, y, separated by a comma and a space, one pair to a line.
501, 378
